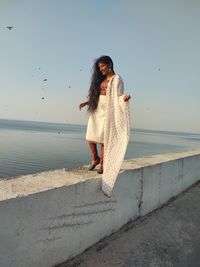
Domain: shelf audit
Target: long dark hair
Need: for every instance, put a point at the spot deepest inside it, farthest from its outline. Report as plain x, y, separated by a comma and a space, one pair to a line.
96, 80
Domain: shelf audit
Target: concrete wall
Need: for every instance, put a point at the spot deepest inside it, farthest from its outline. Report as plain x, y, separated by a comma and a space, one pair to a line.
49, 217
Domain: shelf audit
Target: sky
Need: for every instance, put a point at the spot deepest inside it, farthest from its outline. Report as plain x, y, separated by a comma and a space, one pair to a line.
154, 46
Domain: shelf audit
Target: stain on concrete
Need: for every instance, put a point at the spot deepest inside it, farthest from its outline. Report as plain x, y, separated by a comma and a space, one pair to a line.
168, 237
97, 203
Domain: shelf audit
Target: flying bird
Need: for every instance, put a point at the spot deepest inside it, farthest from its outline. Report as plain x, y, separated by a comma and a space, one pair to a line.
42, 97
44, 80
69, 86
9, 27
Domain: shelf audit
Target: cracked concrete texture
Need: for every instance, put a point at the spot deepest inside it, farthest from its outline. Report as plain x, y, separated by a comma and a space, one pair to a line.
167, 237
38, 182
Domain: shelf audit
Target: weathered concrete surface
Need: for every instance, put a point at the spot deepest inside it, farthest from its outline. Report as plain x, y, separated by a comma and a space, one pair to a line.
167, 237
49, 217
40, 182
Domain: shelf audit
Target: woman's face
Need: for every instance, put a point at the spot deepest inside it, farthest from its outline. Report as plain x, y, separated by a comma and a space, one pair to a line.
104, 68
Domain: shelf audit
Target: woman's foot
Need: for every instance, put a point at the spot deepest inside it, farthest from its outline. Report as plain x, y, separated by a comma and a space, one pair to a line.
100, 171
94, 164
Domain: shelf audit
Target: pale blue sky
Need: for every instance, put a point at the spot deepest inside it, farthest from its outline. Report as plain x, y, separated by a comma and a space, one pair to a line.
154, 45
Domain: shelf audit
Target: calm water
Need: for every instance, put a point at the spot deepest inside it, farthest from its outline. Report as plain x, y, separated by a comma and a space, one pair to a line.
30, 147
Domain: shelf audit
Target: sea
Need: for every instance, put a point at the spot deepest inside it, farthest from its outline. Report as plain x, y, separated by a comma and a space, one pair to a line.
28, 147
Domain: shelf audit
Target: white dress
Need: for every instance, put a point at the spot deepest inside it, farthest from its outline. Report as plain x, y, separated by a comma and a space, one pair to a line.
110, 124
96, 121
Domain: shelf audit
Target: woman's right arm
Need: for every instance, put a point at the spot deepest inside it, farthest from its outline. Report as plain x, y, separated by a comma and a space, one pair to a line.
82, 105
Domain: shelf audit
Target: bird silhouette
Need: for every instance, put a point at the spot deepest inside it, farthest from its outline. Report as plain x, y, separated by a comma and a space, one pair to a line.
69, 86
9, 27
44, 80
42, 97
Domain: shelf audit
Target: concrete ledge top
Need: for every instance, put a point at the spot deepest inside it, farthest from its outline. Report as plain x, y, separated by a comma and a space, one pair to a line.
34, 183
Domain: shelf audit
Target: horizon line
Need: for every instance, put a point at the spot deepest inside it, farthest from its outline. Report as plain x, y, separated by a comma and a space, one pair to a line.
63, 123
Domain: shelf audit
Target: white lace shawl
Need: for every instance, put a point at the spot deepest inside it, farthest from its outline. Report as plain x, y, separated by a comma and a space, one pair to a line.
116, 133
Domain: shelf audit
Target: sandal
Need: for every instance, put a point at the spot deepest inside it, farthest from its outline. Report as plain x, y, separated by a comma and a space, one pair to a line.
94, 164
100, 171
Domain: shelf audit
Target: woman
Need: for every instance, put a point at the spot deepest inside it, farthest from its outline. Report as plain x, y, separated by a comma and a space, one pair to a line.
109, 121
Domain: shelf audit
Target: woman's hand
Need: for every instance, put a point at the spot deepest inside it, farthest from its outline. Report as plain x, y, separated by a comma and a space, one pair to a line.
127, 97
82, 105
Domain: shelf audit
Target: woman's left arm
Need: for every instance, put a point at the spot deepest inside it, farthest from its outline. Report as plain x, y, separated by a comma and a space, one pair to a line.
120, 89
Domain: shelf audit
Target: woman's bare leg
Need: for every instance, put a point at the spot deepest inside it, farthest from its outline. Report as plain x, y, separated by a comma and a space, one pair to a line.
101, 159
94, 155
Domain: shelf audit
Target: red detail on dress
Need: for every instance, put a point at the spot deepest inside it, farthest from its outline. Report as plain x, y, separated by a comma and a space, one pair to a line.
103, 87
